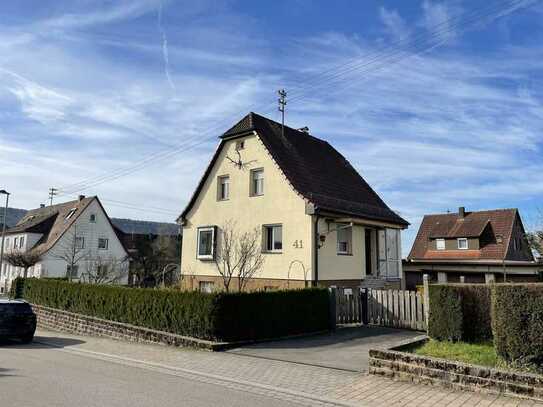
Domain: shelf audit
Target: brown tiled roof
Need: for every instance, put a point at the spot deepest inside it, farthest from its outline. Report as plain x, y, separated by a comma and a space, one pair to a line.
50, 221
483, 224
314, 168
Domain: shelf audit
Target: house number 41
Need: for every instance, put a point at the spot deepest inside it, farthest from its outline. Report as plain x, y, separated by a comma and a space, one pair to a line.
298, 244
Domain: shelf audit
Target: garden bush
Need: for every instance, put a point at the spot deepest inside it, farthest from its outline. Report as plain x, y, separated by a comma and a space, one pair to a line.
217, 316
460, 312
517, 322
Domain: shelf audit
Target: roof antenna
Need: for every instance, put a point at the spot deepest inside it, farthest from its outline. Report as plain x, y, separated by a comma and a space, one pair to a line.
52, 193
282, 103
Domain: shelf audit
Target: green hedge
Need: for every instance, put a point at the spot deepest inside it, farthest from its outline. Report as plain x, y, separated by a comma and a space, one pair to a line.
460, 312
445, 319
517, 322
218, 316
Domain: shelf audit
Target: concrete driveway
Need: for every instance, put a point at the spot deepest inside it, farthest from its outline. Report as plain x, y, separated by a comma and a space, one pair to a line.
346, 348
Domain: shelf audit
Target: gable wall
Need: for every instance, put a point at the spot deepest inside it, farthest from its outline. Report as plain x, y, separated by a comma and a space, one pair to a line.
53, 267
280, 204
521, 251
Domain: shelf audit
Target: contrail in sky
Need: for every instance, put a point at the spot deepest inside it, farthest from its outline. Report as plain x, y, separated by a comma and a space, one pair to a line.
165, 53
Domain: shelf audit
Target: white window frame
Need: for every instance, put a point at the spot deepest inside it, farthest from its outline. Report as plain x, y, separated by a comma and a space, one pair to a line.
342, 228
105, 239
441, 246
254, 185
213, 230
269, 246
206, 286
71, 213
16, 242
21, 242
220, 183
79, 242
462, 239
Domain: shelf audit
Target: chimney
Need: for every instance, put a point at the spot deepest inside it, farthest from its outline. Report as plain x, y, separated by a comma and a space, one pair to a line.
42, 205
462, 212
304, 130
81, 197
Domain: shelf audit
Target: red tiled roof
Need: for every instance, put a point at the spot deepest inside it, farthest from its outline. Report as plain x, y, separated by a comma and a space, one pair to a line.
486, 225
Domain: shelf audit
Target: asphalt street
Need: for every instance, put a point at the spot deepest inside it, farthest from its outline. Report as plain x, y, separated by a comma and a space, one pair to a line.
39, 375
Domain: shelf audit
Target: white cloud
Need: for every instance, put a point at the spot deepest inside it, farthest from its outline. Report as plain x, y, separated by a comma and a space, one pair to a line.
121, 10
430, 133
438, 19
394, 24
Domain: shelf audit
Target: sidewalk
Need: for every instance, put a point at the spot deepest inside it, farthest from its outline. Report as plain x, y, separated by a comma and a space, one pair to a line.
325, 386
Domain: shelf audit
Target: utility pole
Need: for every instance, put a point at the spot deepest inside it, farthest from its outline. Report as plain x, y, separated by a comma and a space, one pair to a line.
52, 193
282, 103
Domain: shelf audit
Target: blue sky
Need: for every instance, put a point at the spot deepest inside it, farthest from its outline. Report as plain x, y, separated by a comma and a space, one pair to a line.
89, 88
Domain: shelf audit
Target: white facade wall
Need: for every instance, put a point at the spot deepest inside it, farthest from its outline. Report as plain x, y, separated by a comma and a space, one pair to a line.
52, 266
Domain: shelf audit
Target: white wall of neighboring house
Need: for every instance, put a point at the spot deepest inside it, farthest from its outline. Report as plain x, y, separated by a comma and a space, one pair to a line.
91, 232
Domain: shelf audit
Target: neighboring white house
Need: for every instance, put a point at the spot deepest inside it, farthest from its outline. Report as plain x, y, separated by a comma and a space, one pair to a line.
74, 239
320, 222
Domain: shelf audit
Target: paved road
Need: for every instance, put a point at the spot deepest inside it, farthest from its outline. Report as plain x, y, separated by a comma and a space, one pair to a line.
37, 375
69, 370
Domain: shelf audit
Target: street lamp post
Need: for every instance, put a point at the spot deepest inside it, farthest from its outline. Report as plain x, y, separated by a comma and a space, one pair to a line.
4, 221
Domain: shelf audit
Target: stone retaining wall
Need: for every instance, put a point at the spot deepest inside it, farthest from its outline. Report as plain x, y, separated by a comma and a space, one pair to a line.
57, 320
404, 366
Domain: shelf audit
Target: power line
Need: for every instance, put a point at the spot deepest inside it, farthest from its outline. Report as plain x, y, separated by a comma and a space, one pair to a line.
394, 55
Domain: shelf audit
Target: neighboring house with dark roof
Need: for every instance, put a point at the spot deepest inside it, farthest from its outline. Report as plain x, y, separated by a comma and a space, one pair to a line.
320, 220
79, 229
14, 215
481, 246
138, 236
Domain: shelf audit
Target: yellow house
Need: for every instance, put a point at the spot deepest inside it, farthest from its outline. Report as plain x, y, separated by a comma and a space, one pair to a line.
318, 221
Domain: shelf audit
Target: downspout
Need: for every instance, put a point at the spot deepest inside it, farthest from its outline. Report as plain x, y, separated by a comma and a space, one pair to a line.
316, 251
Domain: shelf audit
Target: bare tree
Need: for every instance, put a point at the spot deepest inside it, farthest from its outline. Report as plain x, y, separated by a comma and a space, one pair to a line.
72, 251
535, 241
238, 255
535, 237
101, 270
153, 253
25, 260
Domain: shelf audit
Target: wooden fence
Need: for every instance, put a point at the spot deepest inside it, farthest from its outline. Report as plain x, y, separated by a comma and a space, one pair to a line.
392, 308
396, 308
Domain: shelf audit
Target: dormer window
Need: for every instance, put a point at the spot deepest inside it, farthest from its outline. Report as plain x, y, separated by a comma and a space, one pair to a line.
462, 243
71, 213
440, 244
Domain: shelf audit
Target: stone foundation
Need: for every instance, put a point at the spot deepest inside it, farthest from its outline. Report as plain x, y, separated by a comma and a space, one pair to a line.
192, 282
57, 320
409, 367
